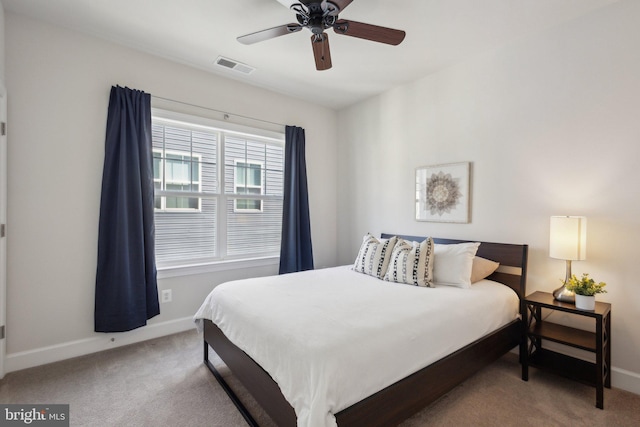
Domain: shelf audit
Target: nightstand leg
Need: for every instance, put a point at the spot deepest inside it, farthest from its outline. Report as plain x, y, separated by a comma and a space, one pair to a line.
607, 357
599, 364
524, 359
524, 355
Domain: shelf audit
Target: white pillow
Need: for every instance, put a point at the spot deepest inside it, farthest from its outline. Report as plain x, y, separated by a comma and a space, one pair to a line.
411, 263
373, 256
482, 268
452, 264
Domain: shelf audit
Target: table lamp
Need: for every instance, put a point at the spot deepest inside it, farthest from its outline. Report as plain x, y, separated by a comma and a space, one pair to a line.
567, 241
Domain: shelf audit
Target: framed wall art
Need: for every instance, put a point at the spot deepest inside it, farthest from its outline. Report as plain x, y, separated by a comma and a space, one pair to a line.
442, 193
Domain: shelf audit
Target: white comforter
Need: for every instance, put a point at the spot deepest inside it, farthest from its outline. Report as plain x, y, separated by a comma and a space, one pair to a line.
332, 337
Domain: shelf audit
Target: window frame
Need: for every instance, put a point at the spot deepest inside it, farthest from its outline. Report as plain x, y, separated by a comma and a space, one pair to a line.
222, 261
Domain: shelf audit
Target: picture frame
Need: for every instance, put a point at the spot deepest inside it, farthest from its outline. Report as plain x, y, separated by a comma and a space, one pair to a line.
442, 193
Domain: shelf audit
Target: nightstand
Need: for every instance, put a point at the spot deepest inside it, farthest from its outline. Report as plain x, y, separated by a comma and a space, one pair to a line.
597, 374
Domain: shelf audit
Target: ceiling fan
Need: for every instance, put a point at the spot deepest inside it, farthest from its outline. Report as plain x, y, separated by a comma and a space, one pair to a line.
319, 16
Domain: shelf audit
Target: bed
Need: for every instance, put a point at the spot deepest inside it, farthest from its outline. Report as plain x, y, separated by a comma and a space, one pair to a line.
397, 398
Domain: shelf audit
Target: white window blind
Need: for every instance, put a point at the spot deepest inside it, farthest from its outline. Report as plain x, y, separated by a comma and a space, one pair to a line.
218, 192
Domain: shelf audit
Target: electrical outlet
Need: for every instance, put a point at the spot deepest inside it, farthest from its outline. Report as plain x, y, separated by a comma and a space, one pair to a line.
166, 295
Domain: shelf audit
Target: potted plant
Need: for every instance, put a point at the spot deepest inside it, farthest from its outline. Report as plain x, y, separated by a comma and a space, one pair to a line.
585, 289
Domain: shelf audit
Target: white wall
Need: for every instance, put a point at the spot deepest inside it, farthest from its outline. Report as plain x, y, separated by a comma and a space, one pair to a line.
2, 55
3, 168
59, 83
551, 124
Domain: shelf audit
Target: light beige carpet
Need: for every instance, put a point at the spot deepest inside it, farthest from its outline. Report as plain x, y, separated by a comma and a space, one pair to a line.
163, 382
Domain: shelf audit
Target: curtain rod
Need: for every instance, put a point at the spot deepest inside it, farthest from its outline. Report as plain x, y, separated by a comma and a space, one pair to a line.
226, 114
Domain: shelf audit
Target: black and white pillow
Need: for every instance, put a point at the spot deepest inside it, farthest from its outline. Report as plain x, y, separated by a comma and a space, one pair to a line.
373, 256
411, 263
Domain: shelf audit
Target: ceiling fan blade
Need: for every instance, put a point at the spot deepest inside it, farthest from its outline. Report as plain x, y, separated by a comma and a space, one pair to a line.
341, 3
269, 33
321, 53
369, 32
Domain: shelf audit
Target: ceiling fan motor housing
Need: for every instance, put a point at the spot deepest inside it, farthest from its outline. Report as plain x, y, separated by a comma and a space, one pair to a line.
315, 17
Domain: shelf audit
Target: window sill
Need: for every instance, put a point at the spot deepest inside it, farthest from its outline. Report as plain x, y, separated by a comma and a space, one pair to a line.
212, 267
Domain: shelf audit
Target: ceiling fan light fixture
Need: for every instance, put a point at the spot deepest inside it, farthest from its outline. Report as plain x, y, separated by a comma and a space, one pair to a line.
234, 65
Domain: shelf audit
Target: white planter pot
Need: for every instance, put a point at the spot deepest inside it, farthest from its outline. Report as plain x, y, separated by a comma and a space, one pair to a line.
584, 302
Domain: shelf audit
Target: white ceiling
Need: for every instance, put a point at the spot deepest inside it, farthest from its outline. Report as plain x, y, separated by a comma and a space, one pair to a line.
196, 32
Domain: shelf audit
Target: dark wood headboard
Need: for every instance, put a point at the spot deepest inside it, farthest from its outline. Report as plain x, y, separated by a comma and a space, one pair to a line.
512, 258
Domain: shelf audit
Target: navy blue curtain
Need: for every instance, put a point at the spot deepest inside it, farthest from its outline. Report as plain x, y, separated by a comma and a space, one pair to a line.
296, 253
126, 288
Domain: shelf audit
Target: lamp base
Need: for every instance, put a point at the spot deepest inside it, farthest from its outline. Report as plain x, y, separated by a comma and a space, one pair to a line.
564, 295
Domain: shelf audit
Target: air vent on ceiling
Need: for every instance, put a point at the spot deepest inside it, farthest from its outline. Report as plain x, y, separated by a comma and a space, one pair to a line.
234, 65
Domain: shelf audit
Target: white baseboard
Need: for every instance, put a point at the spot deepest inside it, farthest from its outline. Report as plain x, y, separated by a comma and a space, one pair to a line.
625, 380
101, 342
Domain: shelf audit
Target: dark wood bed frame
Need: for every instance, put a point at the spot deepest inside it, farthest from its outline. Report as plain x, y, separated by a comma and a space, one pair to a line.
399, 401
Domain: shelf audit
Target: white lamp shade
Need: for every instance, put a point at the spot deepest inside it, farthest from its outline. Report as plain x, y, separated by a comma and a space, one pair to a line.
568, 238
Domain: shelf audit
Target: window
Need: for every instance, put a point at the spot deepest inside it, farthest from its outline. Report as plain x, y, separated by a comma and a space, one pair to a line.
176, 171
218, 190
248, 180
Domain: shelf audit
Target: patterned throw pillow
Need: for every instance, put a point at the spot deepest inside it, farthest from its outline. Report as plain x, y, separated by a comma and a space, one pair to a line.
374, 254
411, 263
